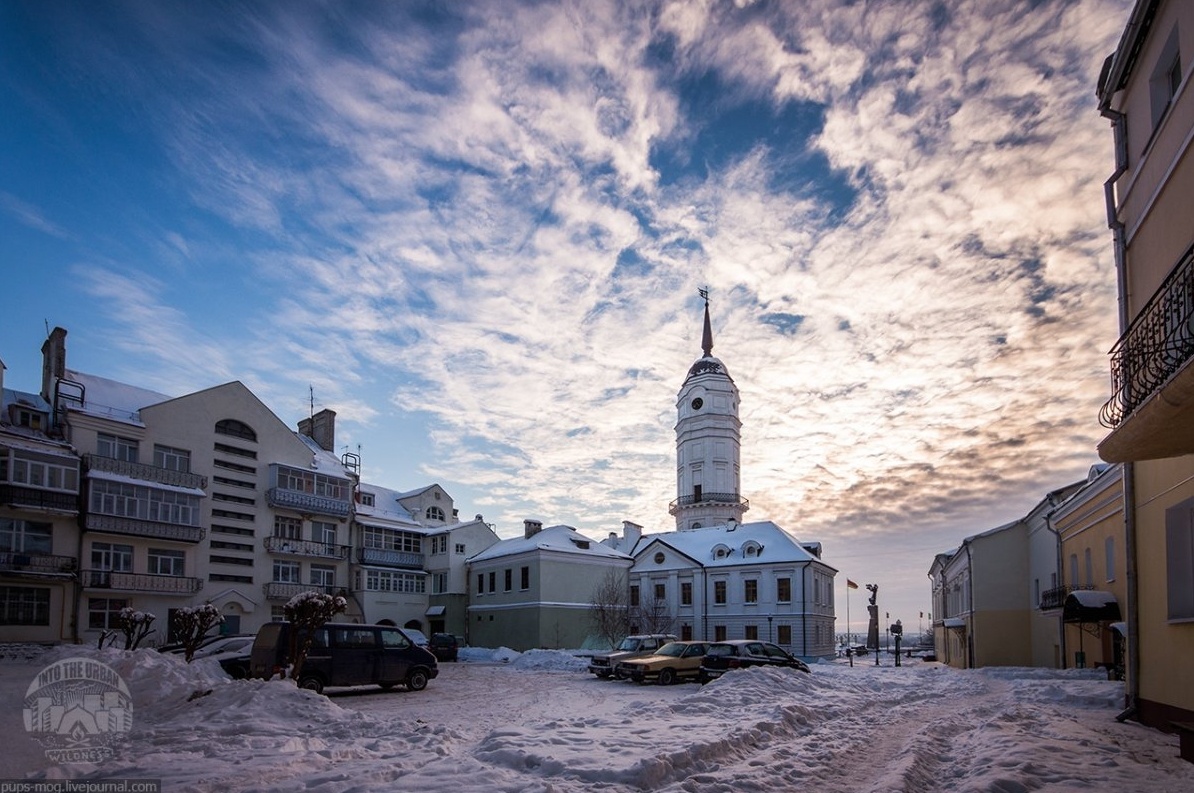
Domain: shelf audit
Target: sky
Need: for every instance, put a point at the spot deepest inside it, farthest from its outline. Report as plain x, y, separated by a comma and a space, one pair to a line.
477, 232
536, 721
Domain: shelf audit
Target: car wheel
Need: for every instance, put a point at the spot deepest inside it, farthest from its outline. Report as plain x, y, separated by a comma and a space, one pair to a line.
667, 677
311, 683
416, 680
602, 675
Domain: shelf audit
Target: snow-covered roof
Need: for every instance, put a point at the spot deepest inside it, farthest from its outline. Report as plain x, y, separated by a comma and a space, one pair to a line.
386, 507
722, 546
562, 539
112, 399
11, 396
109, 476
325, 462
1093, 598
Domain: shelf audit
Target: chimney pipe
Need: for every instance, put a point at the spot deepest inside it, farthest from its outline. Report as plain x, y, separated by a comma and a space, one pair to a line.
531, 528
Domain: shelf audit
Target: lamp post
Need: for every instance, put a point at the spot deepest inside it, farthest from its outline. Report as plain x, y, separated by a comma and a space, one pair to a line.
769, 618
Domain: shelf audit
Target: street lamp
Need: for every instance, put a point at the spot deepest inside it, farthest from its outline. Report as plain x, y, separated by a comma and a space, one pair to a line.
769, 618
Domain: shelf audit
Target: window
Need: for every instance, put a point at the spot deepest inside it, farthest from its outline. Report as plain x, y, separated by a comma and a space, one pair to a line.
685, 593
288, 528
166, 562
144, 503
751, 632
24, 605
719, 592
439, 583
112, 558
236, 429
525, 582
783, 590
1165, 79
750, 591
37, 470
493, 581
783, 635
660, 591
460, 547
116, 447
1109, 557
323, 576
685, 633
719, 633
1089, 567
392, 581
323, 532
435, 513
104, 613
366, 499
391, 540
509, 580
25, 536
286, 572
480, 583
634, 595
311, 483
1179, 548
171, 459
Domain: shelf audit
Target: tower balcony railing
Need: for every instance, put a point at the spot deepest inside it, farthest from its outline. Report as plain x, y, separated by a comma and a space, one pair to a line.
150, 473
114, 524
708, 499
35, 498
325, 550
1158, 344
36, 563
285, 590
307, 503
140, 582
390, 558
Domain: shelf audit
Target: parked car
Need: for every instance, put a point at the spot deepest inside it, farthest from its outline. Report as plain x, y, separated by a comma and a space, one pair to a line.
606, 665
346, 654
177, 648
741, 653
673, 661
417, 636
444, 646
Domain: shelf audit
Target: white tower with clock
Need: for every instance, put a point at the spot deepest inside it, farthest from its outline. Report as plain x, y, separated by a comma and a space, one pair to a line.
708, 443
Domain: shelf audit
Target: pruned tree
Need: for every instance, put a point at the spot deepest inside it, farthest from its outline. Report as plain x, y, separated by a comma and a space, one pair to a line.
609, 609
306, 612
135, 625
653, 616
192, 624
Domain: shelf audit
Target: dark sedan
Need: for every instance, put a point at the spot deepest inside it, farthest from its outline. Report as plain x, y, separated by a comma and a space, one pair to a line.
741, 653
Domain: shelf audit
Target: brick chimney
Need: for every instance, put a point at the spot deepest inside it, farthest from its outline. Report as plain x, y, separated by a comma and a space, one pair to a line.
632, 533
531, 528
53, 363
321, 428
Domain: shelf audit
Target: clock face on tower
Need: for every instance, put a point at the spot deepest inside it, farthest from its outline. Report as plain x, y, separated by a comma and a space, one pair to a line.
698, 403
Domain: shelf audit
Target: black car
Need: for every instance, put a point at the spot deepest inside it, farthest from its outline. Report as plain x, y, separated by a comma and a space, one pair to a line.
443, 646
741, 653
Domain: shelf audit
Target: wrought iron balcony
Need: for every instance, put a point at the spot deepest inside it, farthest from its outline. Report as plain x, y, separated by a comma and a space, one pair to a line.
1054, 599
307, 503
306, 548
281, 590
37, 563
711, 499
35, 498
140, 582
150, 473
1157, 345
143, 528
390, 558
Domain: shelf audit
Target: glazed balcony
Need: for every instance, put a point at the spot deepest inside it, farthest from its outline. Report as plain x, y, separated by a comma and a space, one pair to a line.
282, 590
390, 558
140, 582
113, 524
37, 564
1151, 410
306, 503
323, 550
25, 497
708, 499
149, 473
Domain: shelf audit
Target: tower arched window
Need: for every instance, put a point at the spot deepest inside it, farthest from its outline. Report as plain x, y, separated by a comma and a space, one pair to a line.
434, 513
236, 429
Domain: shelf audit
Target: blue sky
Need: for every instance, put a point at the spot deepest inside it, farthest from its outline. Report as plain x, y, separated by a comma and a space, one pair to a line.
477, 231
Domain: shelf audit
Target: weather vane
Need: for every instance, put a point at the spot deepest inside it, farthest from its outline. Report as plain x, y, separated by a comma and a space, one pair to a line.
704, 293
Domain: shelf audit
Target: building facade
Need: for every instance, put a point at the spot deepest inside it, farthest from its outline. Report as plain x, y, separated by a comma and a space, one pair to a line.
1144, 90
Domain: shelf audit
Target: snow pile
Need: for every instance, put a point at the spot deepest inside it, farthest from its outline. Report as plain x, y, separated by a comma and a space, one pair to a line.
558, 660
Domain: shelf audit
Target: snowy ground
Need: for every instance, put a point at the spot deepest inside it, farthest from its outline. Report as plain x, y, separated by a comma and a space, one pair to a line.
537, 722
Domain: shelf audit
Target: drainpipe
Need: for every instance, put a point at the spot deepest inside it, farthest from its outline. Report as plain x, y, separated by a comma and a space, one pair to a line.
970, 608
1060, 579
803, 614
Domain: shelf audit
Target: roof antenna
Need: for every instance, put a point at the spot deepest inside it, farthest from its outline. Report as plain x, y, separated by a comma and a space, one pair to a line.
311, 396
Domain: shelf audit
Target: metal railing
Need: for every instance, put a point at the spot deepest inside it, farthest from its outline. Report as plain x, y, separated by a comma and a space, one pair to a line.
307, 503
140, 582
707, 498
1055, 598
35, 498
143, 528
37, 563
390, 558
282, 590
306, 548
1158, 344
150, 473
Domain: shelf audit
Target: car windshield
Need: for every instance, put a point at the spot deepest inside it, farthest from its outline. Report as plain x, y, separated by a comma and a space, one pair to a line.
629, 643
674, 649
721, 649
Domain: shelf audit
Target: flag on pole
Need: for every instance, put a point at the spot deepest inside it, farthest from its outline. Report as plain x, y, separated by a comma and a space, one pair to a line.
851, 584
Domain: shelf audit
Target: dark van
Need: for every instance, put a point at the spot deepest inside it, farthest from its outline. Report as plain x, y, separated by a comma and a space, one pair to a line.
345, 654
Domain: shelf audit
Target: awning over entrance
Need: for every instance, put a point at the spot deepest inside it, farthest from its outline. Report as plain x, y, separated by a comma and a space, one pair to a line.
1090, 605
954, 622
434, 611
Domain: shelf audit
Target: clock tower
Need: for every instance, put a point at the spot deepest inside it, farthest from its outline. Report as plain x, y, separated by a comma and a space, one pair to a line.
708, 443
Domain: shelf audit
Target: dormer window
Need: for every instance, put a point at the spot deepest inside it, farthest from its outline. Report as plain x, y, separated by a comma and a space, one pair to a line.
751, 549
721, 551
435, 513
366, 499
30, 419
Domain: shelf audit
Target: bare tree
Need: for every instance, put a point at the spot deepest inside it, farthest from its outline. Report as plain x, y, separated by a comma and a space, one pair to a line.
192, 624
135, 625
609, 608
653, 616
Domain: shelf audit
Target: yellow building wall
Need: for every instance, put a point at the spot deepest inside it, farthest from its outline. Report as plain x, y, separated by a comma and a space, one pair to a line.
999, 638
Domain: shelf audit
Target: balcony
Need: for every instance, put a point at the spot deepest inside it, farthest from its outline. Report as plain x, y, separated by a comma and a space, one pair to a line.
1151, 410
322, 550
1054, 599
113, 524
150, 473
708, 499
280, 590
390, 558
306, 503
140, 582
36, 564
23, 497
